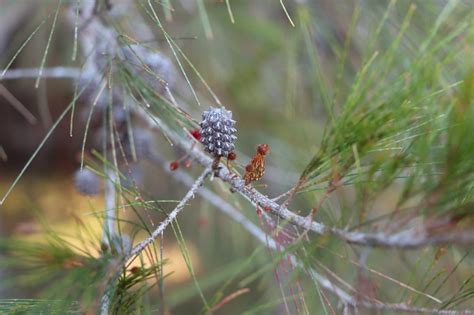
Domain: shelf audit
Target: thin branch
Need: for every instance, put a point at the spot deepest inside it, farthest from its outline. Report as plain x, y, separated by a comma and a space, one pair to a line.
411, 238
53, 72
409, 309
109, 231
408, 239
137, 249
141, 246
347, 299
248, 225
17, 105
229, 298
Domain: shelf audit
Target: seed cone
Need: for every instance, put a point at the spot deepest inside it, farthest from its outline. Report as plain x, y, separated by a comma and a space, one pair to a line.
218, 132
87, 182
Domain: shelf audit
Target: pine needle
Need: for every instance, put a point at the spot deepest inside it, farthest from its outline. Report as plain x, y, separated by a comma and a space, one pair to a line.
43, 61
229, 10
20, 49
205, 19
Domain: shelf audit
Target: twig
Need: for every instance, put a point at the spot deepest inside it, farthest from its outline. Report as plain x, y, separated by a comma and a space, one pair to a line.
108, 231
229, 298
137, 249
348, 300
411, 238
408, 239
17, 105
53, 72
248, 225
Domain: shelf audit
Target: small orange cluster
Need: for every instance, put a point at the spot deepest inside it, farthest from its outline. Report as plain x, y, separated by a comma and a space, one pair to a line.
256, 168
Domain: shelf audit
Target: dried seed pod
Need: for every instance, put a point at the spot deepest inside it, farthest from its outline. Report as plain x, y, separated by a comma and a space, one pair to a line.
87, 182
218, 132
256, 168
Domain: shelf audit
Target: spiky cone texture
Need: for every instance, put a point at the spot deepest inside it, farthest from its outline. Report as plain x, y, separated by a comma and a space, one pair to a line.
218, 132
87, 182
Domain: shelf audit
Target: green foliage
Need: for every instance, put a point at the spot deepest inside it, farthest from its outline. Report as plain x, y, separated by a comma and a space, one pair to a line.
65, 277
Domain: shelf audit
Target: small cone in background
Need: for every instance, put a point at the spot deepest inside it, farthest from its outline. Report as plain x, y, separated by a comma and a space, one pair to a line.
87, 182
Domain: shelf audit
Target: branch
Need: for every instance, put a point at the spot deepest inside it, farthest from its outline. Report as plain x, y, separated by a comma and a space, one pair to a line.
411, 238
109, 231
137, 249
53, 72
408, 239
142, 245
17, 105
348, 300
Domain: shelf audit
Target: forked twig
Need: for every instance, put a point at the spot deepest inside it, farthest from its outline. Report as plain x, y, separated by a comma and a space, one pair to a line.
137, 249
346, 299
408, 239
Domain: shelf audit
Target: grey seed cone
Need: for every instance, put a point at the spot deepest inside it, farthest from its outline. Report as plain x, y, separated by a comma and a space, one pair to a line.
87, 182
218, 132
